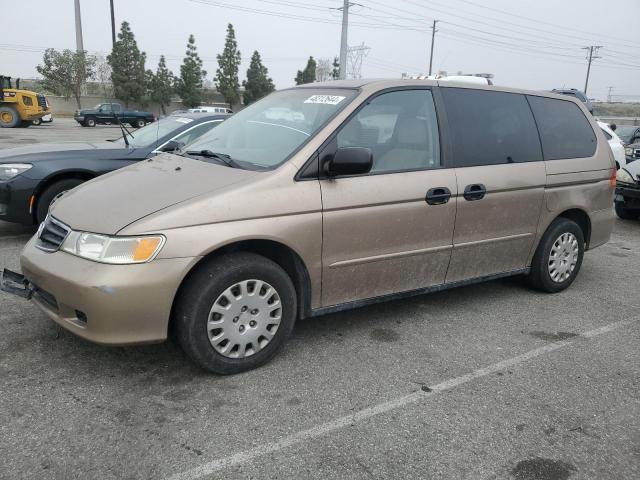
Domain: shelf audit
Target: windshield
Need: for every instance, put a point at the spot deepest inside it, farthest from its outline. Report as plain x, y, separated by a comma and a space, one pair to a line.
148, 135
265, 134
625, 132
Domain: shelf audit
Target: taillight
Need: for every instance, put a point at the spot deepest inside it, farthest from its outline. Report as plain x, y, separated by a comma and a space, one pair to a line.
612, 179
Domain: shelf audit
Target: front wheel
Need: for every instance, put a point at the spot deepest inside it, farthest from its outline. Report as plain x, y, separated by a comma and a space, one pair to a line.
90, 122
140, 123
235, 312
626, 213
558, 257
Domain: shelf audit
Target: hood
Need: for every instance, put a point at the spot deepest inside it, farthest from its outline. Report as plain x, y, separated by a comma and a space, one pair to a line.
48, 151
109, 203
633, 168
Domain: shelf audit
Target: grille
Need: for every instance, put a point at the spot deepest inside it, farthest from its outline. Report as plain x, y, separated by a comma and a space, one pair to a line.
51, 234
42, 101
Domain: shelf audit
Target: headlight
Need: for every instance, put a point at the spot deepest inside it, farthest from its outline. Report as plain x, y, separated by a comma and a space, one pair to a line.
624, 176
116, 250
10, 170
628, 151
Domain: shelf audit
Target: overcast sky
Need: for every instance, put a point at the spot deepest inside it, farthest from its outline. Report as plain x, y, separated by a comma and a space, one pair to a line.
524, 43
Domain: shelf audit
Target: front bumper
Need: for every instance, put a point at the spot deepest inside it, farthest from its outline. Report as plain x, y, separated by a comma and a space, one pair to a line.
628, 195
14, 200
106, 304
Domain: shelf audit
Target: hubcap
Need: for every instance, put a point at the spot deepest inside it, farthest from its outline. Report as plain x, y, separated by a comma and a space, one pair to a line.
563, 257
7, 117
244, 318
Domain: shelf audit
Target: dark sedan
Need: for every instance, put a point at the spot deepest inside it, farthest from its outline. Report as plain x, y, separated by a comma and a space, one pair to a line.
32, 176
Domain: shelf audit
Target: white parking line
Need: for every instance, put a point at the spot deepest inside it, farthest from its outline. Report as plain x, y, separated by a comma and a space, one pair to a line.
337, 424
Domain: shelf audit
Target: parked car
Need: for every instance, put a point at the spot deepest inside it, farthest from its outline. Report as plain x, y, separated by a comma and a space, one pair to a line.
617, 147
627, 199
45, 119
205, 109
32, 176
630, 136
108, 113
261, 222
573, 92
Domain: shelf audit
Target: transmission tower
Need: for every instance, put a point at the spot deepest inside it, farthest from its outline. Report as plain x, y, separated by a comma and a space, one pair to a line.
356, 55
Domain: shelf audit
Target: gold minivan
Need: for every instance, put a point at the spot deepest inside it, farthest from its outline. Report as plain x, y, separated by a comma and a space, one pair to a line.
320, 198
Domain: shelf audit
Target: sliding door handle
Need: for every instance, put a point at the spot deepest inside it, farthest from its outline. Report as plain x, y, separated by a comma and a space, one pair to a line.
475, 191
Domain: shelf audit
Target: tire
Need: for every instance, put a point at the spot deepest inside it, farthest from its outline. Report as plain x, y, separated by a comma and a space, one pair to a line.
9, 117
25, 124
52, 191
626, 213
36, 122
565, 267
208, 285
90, 122
140, 123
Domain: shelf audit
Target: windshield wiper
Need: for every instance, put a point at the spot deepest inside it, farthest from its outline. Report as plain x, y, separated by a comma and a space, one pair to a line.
223, 157
123, 129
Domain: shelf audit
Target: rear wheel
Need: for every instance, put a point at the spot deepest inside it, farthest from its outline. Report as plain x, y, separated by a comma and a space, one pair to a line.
558, 257
36, 121
627, 213
235, 312
50, 193
9, 117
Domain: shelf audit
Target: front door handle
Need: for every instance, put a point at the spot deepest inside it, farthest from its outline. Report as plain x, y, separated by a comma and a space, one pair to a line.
475, 191
438, 196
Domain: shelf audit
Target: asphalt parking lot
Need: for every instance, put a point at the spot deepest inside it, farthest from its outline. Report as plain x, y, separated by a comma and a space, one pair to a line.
492, 381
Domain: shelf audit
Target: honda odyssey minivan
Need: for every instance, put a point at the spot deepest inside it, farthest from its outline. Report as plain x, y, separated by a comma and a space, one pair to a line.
362, 191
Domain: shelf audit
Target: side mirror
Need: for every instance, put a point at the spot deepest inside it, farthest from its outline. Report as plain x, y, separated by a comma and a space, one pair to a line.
350, 161
171, 146
613, 127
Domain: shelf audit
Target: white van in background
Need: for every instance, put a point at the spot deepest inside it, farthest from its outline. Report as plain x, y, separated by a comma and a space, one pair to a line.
617, 147
205, 109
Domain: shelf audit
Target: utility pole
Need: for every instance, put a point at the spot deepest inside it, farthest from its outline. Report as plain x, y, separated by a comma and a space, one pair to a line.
433, 37
79, 44
113, 25
593, 54
609, 94
343, 39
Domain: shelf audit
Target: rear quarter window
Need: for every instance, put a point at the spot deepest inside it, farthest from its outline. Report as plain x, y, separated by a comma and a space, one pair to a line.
490, 128
564, 130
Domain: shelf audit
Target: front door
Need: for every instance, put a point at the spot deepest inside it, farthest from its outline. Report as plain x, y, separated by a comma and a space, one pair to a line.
501, 179
381, 234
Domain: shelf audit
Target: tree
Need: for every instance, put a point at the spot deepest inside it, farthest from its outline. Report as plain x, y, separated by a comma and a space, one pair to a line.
323, 70
258, 84
161, 85
66, 72
189, 85
226, 80
103, 76
335, 73
308, 75
128, 74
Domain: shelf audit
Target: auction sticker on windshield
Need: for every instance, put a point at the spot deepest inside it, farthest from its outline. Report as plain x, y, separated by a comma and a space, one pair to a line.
325, 99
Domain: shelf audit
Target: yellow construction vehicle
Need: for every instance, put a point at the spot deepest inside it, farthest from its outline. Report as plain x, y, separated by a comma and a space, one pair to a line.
19, 107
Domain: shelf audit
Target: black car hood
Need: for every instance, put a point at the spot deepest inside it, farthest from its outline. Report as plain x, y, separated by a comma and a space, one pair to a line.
52, 151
